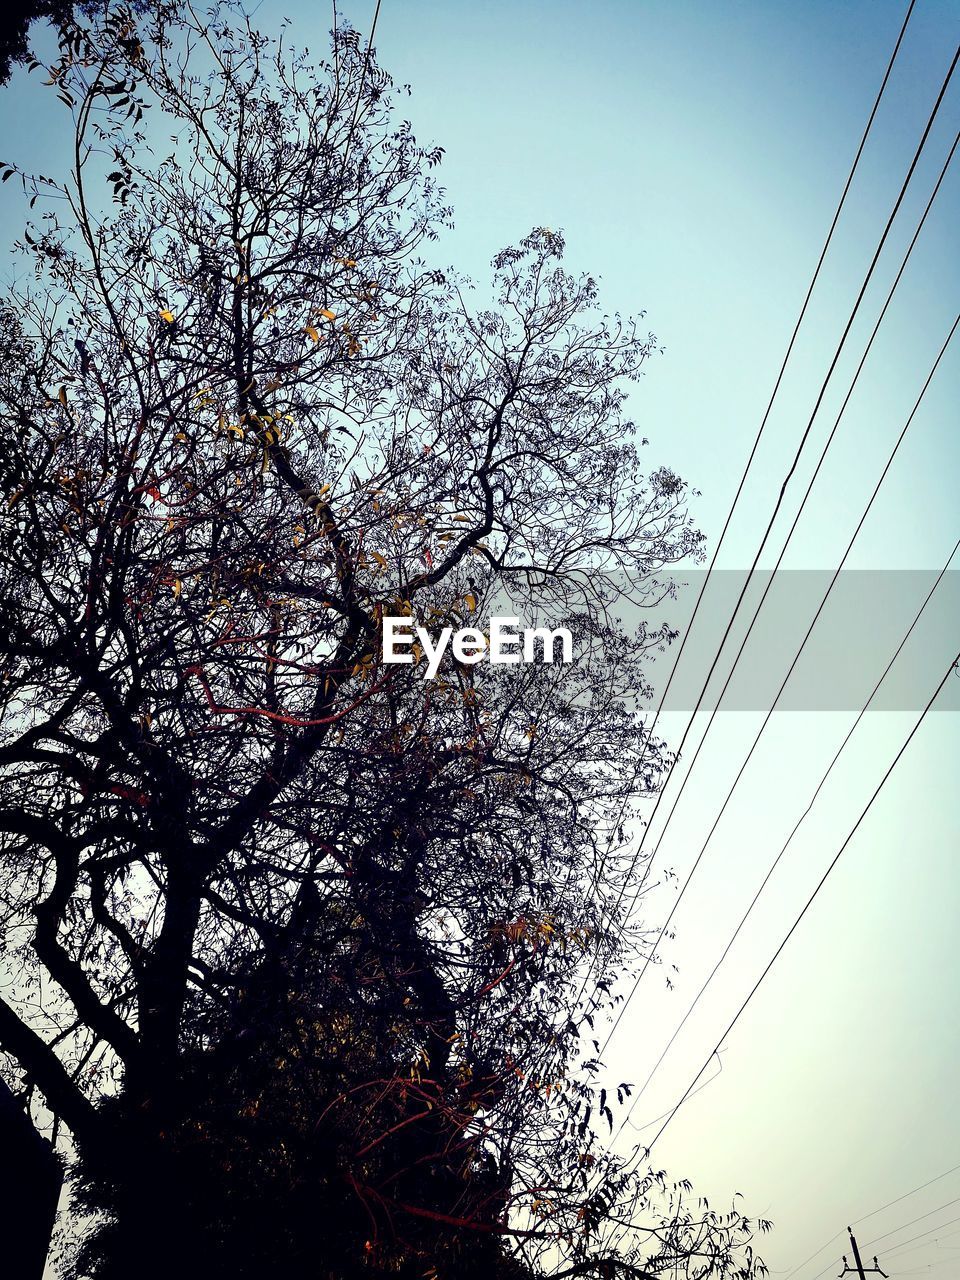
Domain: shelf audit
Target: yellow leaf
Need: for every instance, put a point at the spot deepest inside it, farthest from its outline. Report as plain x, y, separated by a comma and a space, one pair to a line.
381, 561
330, 315
62, 396
470, 600
312, 333
177, 584
168, 316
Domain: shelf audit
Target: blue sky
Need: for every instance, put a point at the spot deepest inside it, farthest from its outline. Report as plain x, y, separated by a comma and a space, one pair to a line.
693, 153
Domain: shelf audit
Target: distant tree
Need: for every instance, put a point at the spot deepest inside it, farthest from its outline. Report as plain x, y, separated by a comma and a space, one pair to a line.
18, 16
297, 936
15, 22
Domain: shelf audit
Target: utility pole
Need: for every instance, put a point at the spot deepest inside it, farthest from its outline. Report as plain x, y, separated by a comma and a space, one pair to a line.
860, 1268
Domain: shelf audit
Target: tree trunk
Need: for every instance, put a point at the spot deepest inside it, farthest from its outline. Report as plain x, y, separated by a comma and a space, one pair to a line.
30, 1180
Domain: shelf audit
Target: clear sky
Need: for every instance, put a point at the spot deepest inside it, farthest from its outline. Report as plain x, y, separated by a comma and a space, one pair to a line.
693, 152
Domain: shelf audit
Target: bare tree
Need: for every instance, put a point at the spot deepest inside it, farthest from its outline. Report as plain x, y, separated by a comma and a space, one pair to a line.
296, 934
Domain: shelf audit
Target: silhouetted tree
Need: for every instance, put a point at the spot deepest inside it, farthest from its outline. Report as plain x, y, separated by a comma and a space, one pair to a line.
297, 934
15, 22
17, 17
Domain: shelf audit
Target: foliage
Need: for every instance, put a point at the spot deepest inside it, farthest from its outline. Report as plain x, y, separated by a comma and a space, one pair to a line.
18, 16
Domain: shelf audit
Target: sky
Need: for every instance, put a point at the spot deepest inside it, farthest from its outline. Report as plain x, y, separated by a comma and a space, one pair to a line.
693, 153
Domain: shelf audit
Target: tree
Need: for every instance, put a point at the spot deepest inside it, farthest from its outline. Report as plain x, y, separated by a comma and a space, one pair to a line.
310, 928
19, 16
15, 24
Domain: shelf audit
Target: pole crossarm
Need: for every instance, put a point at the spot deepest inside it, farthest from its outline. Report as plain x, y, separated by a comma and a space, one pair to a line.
861, 1270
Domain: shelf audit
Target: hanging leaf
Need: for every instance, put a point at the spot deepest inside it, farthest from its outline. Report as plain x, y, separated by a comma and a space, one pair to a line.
168, 316
328, 314
312, 333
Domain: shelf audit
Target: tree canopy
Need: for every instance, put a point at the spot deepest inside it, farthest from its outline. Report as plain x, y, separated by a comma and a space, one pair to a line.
306, 947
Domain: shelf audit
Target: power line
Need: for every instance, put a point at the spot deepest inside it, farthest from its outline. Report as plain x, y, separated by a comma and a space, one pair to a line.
921, 1242
922, 1235
363, 77
833, 581
813, 478
896, 1248
752, 455
796, 519
806, 907
872, 1214
816, 1254
647, 1124
356, 106
805, 436
779, 501
770, 525
785, 484
779, 379
919, 1218
936, 1241
773, 866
